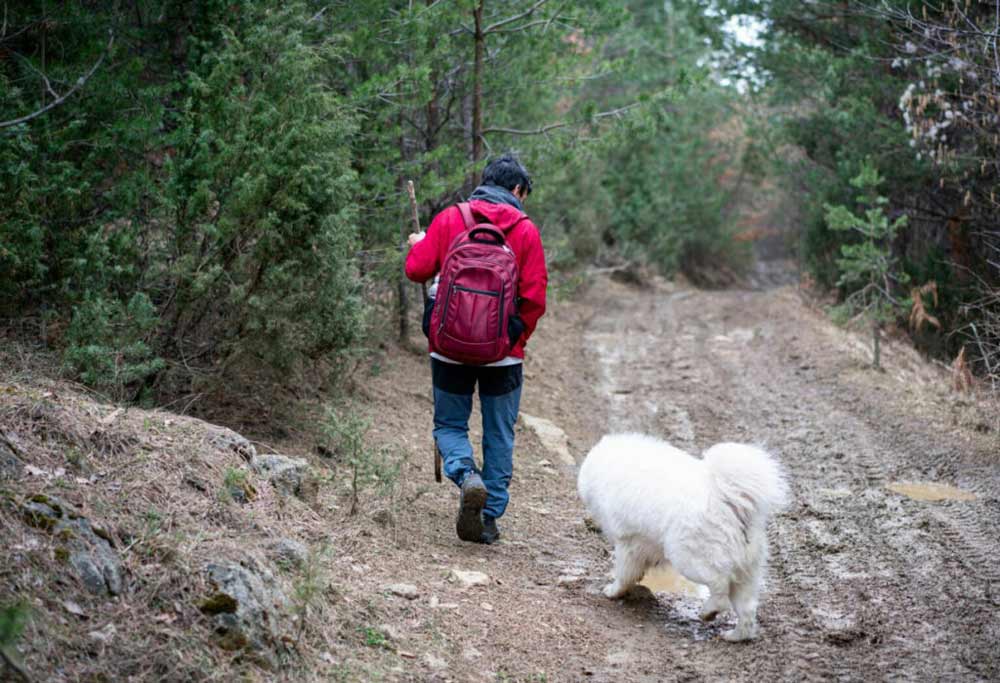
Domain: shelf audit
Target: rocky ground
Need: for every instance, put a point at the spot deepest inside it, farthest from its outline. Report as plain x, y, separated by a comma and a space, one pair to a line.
221, 558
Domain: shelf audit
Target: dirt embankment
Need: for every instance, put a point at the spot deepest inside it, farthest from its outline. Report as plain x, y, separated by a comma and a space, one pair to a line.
865, 581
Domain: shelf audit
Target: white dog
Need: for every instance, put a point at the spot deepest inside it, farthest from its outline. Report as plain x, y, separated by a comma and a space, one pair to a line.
707, 517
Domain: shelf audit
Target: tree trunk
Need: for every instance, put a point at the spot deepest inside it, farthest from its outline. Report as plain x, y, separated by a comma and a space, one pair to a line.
430, 140
402, 303
477, 85
877, 344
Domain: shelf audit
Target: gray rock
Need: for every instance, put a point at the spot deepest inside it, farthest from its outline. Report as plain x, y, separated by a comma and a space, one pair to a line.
390, 633
468, 579
228, 440
104, 635
289, 476
94, 557
289, 553
86, 548
434, 662
403, 590
43, 512
244, 608
10, 464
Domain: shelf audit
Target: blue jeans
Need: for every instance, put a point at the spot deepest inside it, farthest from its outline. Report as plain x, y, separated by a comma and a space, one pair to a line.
453, 389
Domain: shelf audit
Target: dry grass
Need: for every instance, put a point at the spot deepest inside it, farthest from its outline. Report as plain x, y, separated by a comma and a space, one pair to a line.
155, 483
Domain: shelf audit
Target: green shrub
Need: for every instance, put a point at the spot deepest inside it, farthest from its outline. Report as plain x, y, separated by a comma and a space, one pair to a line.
345, 433
107, 344
868, 270
261, 194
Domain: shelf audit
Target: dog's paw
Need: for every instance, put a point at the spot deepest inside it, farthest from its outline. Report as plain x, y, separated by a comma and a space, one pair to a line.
713, 607
709, 614
739, 635
613, 590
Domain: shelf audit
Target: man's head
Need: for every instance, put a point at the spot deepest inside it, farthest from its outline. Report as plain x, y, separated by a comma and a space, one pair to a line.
507, 172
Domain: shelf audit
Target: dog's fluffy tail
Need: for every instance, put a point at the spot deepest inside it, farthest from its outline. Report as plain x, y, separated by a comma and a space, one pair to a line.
749, 479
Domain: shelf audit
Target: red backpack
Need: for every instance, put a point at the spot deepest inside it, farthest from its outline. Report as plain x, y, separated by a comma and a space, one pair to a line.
476, 295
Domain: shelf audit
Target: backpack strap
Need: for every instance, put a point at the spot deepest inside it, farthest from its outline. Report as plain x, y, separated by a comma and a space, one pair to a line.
466, 211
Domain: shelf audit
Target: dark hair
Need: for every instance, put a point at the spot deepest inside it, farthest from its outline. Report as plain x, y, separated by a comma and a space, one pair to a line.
507, 172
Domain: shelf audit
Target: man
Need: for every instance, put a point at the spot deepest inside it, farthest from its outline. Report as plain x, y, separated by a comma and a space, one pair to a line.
499, 201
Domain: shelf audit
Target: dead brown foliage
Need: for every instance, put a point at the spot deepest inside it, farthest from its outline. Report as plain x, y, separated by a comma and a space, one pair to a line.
918, 311
962, 379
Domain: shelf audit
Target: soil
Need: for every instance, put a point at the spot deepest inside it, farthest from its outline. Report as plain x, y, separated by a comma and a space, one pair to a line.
883, 567
869, 579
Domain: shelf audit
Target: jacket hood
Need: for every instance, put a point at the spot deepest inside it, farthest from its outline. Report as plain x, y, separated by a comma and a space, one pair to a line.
504, 216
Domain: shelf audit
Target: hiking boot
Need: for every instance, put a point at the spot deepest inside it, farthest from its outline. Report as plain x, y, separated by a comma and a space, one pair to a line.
469, 524
491, 534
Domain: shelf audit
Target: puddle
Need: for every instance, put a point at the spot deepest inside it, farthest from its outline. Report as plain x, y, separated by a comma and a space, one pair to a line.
665, 579
928, 490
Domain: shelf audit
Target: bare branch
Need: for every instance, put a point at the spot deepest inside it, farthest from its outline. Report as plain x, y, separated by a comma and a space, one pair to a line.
80, 82
509, 20
561, 124
616, 112
523, 27
535, 131
45, 79
555, 15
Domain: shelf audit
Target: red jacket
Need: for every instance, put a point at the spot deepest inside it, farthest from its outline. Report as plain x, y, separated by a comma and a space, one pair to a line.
427, 256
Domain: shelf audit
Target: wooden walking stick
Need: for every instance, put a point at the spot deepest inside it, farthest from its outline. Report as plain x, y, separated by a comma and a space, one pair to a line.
423, 287
416, 225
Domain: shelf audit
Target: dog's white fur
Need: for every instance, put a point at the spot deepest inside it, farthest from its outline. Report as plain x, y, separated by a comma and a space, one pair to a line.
707, 517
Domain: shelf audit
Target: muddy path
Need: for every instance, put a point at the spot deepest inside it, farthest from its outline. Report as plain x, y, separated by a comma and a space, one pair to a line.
865, 582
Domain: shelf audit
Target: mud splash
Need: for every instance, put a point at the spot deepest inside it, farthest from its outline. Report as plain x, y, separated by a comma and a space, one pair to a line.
929, 491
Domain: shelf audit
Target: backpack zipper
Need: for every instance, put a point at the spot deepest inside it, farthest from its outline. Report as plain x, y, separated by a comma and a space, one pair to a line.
476, 291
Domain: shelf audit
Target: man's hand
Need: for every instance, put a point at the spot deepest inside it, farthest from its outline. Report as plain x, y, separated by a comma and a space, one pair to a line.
415, 237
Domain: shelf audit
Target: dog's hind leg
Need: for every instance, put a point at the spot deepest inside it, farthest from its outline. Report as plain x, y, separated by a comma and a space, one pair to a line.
630, 564
718, 600
706, 570
744, 590
743, 594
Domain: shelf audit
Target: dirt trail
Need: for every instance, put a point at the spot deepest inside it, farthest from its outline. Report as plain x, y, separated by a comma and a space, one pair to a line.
884, 566
865, 583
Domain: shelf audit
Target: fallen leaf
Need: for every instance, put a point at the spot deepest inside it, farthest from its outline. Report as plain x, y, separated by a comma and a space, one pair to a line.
104, 635
111, 417
74, 609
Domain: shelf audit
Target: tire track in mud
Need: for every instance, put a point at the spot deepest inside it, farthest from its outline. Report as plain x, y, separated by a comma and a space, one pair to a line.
864, 582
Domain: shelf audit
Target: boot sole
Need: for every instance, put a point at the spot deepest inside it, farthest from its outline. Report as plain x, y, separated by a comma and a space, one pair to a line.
469, 525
